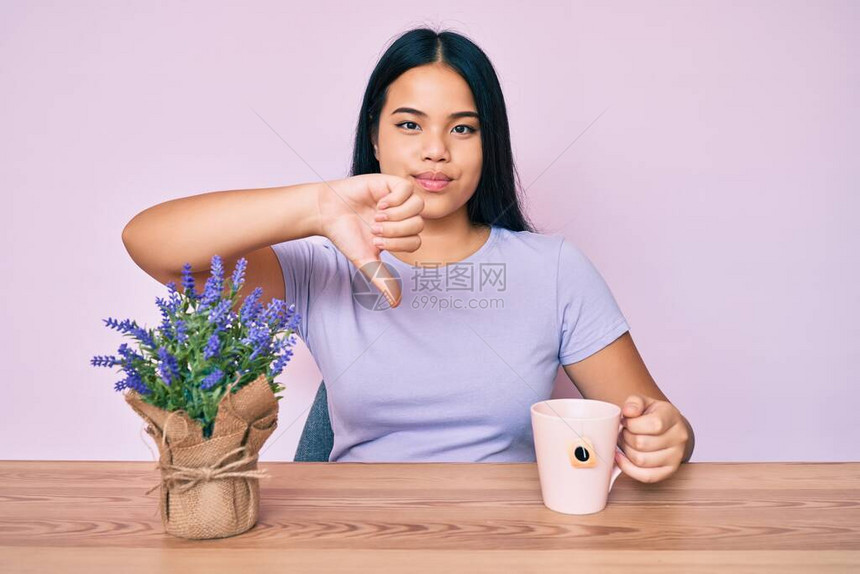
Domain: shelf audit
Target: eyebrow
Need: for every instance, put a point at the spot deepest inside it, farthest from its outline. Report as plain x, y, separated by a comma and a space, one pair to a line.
467, 114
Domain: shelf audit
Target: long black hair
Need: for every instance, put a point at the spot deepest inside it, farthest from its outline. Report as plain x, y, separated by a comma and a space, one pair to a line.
496, 200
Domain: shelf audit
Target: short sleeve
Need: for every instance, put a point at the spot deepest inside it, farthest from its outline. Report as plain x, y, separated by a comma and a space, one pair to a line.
307, 265
589, 316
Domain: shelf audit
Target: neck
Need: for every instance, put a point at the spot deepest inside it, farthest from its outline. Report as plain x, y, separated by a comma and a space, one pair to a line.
446, 240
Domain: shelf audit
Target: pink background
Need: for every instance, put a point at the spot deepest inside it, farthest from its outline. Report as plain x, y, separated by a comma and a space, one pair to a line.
699, 153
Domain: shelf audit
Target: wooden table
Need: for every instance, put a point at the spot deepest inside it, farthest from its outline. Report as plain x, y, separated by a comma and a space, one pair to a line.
433, 517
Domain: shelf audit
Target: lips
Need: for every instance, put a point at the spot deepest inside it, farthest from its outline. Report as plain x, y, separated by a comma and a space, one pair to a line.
432, 184
433, 176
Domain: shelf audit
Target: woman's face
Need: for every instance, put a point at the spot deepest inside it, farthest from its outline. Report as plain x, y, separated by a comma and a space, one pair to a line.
410, 143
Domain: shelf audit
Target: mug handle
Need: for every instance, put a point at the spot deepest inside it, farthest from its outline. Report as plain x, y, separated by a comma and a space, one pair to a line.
616, 470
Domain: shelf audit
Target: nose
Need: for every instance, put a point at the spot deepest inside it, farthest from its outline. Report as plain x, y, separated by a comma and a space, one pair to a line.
435, 148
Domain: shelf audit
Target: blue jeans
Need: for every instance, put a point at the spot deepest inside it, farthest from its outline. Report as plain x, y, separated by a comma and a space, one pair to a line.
317, 438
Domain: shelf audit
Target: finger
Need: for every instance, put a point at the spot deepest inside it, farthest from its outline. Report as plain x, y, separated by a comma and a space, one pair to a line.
412, 226
410, 243
381, 185
380, 277
650, 424
663, 457
642, 474
641, 442
399, 190
409, 208
633, 406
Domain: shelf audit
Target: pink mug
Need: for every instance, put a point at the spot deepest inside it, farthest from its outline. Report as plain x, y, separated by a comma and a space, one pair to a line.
575, 444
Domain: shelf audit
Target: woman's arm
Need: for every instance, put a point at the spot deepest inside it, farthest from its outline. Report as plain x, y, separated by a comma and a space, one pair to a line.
616, 374
162, 238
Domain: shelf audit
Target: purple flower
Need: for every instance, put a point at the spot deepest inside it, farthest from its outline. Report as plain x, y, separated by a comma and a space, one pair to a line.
274, 312
278, 366
175, 298
294, 318
181, 331
128, 354
188, 283
213, 347
133, 382
279, 316
212, 379
168, 312
238, 278
129, 357
123, 327
215, 284
251, 307
221, 313
168, 367
165, 327
104, 361
259, 338
111, 360
131, 328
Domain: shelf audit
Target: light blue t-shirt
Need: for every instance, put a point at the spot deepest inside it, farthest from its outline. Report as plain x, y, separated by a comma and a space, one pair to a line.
450, 374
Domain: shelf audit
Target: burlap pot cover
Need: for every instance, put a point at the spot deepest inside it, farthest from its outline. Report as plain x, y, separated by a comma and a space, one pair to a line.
210, 487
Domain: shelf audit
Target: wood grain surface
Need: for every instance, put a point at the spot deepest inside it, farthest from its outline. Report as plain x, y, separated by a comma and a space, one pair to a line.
75, 516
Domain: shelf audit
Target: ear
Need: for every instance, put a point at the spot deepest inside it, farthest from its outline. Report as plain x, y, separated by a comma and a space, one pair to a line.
375, 142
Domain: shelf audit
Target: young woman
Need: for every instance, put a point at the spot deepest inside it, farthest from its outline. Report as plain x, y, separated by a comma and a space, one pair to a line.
482, 309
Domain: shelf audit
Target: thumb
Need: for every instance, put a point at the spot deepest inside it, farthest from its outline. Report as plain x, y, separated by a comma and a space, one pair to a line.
633, 406
380, 277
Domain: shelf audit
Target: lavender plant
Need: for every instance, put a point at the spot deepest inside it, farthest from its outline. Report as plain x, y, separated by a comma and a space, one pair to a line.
203, 345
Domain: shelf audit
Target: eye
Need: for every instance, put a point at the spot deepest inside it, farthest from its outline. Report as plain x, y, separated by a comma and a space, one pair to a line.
470, 128
404, 123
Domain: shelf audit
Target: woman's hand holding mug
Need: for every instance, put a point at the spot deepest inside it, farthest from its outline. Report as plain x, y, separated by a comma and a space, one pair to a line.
654, 439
